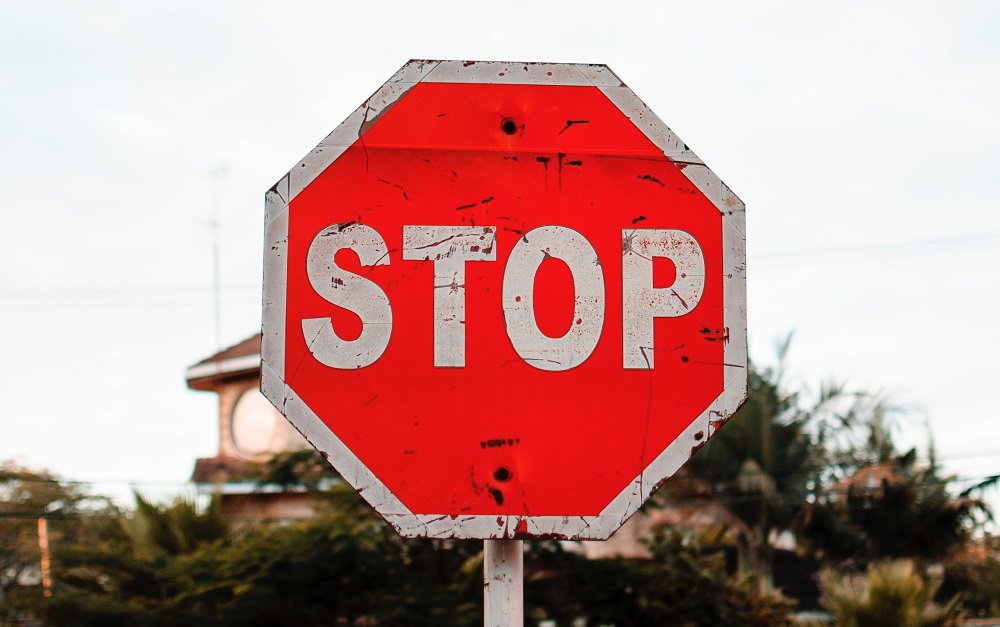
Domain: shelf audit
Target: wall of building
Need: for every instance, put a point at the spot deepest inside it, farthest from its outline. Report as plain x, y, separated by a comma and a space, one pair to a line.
286, 438
259, 507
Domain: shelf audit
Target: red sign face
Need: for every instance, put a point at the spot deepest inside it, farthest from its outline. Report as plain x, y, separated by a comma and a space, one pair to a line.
505, 300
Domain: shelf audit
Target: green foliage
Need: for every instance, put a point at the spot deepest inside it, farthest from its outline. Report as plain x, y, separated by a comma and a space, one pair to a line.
303, 468
344, 567
335, 568
890, 593
735, 601
975, 573
905, 511
348, 567
26, 496
679, 585
762, 454
764, 463
173, 529
783, 464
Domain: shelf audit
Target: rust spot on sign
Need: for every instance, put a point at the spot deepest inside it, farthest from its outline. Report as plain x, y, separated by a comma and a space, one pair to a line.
498, 442
720, 421
519, 535
497, 496
715, 335
399, 187
570, 123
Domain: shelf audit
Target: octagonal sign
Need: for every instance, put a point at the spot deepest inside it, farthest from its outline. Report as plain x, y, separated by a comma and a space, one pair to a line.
504, 300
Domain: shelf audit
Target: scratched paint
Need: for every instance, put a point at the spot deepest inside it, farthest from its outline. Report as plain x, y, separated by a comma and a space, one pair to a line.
450, 248
467, 308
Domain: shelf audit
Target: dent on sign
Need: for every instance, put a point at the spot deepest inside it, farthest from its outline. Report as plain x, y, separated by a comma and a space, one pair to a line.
451, 247
504, 300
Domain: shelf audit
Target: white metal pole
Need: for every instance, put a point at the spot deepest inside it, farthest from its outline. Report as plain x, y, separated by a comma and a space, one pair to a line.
503, 574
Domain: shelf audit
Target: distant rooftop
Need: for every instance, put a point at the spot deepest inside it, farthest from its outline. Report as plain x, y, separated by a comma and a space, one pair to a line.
237, 360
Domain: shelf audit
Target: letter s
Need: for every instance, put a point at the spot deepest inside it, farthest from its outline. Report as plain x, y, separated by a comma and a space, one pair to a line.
350, 291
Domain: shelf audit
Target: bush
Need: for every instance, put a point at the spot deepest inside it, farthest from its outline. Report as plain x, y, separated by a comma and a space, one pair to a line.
889, 593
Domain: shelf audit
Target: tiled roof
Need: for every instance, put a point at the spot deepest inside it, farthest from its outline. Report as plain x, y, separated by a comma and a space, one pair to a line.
249, 346
237, 360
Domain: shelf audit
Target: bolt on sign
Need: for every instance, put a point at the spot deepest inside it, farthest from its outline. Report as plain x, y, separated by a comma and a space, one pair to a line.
505, 300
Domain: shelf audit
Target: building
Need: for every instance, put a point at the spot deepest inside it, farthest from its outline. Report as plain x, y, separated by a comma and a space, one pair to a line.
250, 432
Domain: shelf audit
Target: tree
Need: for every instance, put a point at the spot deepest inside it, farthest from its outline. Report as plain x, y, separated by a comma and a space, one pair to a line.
763, 454
122, 570
896, 509
774, 458
974, 572
176, 528
678, 585
25, 497
348, 567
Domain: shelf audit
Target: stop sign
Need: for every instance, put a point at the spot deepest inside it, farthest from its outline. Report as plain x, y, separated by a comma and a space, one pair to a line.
504, 300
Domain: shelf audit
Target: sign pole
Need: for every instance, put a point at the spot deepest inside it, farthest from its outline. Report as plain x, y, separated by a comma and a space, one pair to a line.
503, 589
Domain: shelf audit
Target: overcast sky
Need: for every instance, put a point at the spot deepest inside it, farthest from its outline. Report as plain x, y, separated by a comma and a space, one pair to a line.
863, 137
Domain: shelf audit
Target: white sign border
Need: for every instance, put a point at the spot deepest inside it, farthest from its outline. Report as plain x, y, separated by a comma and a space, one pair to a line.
358, 475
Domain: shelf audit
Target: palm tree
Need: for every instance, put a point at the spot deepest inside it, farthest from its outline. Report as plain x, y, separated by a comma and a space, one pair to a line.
751, 465
772, 460
897, 508
173, 529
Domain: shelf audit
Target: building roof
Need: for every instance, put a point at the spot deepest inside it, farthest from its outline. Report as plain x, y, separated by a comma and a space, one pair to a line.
868, 480
238, 360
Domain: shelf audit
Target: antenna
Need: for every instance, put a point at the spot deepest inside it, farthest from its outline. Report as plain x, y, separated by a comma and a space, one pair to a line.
217, 173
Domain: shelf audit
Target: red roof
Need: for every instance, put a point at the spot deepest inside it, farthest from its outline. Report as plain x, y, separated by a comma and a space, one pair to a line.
236, 361
249, 346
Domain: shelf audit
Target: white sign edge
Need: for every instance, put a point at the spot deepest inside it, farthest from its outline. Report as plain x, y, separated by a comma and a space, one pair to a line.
486, 526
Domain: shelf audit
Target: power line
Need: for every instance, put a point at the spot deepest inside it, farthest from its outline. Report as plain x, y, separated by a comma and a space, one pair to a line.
36, 515
76, 297
59, 300
80, 482
127, 291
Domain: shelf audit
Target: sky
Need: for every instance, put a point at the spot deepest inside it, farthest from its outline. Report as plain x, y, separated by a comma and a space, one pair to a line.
862, 136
